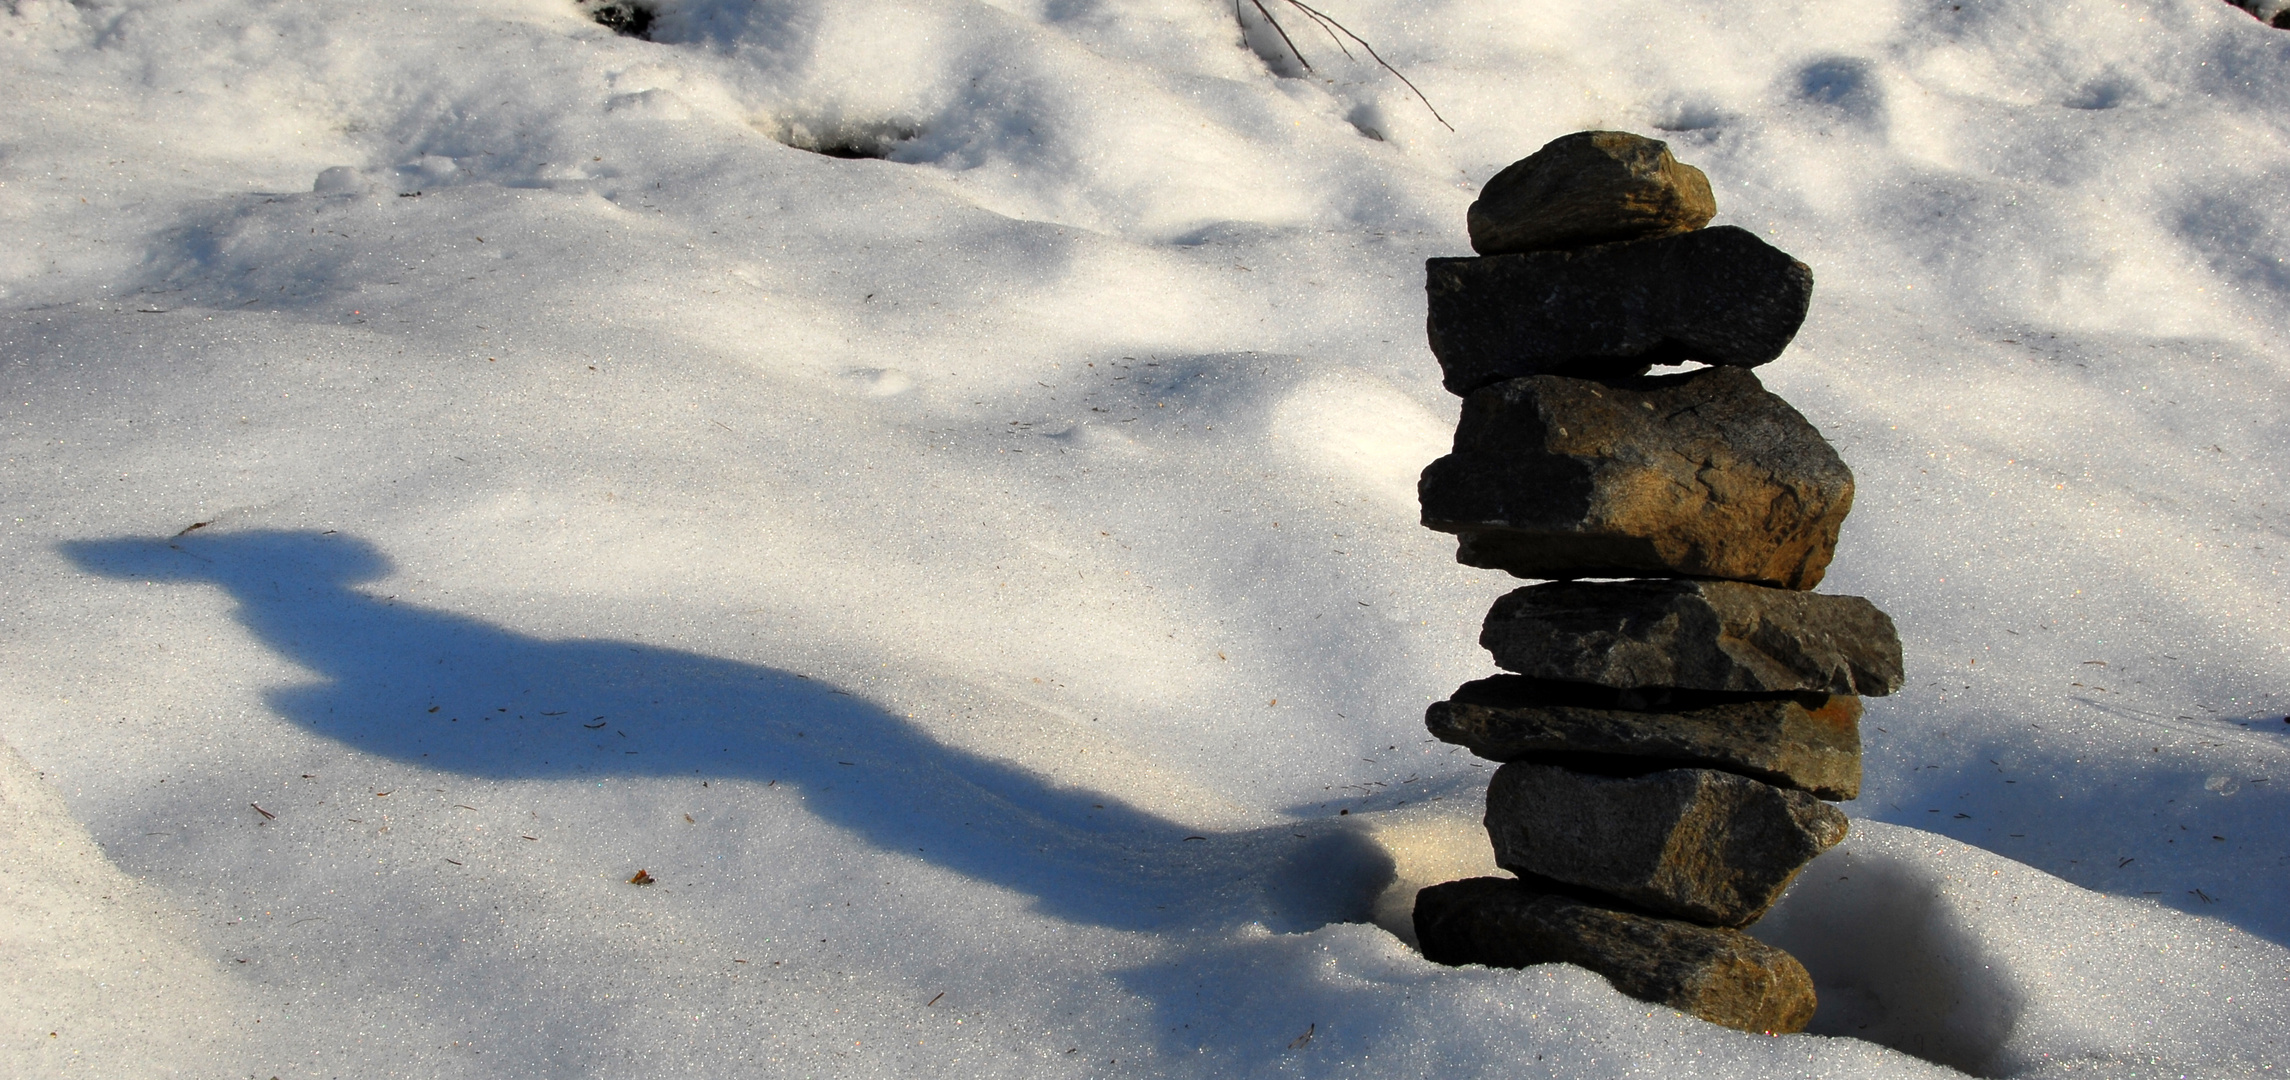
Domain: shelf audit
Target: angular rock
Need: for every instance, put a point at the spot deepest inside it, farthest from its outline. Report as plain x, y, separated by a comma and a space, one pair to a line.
1721, 296
1696, 844
1704, 474
1723, 976
1695, 635
1811, 742
1591, 187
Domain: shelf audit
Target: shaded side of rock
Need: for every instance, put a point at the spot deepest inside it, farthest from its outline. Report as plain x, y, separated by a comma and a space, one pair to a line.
1720, 296
1723, 976
1696, 635
1705, 474
1696, 844
1808, 742
1591, 187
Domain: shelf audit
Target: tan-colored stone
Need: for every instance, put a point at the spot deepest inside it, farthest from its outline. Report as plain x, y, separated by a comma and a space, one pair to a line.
1723, 976
1591, 187
1704, 474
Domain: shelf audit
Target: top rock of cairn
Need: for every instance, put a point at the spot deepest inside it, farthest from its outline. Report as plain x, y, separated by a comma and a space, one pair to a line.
1591, 187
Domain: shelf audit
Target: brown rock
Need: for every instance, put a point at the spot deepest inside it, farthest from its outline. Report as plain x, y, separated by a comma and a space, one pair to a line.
1697, 844
1723, 976
1811, 742
1695, 635
1591, 187
1704, 474
1721, 296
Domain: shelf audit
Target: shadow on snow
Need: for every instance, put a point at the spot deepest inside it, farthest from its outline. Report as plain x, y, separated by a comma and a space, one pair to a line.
450, 692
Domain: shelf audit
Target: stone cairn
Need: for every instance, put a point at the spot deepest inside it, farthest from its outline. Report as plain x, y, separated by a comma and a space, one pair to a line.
1667, 741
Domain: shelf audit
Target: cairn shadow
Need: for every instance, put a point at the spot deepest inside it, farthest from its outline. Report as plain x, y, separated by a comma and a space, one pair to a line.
446, 691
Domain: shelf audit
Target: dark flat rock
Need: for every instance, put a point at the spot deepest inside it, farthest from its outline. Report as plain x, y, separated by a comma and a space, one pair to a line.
1591, 187
1697, 844
1811, 742
1704, 474
1719, 295
1723, 976
1695, 635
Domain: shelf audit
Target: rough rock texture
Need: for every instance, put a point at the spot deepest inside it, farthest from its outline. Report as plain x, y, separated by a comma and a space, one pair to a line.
1698, 844
1811, 742
1591, 187
1723, 976
1695, 635
1704, 474
1719, 295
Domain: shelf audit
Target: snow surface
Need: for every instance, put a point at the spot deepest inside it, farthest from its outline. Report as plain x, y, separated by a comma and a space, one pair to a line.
982, 586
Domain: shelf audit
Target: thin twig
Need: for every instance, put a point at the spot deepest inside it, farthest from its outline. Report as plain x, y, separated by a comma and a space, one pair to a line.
1322, 23
1278, 29
1380, 61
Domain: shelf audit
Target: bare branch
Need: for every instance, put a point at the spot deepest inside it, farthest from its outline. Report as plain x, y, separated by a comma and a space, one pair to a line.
1371, 50
1280, 30
1322, 23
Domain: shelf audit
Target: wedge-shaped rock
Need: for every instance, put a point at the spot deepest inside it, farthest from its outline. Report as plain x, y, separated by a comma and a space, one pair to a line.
1704, 474
1811, 742
1591, 187
1721, 296
1723, 976
1695, 635
1697, 844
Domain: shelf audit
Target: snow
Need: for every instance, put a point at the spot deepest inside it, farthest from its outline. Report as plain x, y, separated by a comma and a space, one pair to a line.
994, 567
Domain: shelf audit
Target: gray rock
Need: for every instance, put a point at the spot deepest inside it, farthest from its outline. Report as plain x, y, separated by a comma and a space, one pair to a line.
1704, 474
1811, 742
1723, 976
1591, 187
1696, 844
1720, 296
1695, 635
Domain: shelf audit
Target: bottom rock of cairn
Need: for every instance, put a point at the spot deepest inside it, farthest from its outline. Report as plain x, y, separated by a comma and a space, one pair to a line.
1720, 975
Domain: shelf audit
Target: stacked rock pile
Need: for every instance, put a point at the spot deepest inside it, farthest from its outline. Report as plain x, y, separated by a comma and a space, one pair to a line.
1667, 740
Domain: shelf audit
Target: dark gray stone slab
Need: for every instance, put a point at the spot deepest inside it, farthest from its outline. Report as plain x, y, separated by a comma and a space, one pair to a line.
1723, 976
1591, 187
1695, 635
1811, 742
1718, 295
1704, 474
1698, 844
